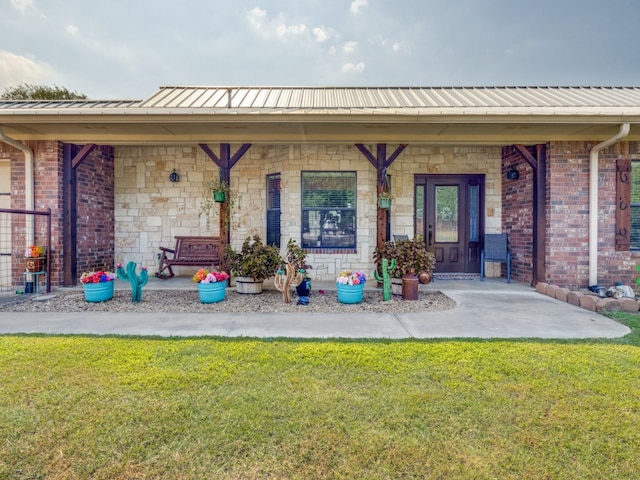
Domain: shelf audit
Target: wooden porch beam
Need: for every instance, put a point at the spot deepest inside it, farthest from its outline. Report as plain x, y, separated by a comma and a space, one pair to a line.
381, 163
82, 154
540, 215
526, 156
69, 216
225, 163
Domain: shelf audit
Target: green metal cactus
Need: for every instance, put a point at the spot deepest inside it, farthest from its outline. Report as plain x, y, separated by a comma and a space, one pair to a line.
137, 282
385, 279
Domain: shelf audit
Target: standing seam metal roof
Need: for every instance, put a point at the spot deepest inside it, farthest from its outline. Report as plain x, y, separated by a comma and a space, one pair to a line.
347, 98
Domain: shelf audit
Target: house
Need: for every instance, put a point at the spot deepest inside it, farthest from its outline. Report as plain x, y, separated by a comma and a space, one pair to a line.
556, 168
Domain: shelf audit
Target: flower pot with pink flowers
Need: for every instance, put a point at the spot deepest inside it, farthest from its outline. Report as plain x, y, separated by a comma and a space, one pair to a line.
212, 286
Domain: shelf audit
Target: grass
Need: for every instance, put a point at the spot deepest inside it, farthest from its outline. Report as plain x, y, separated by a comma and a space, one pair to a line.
122, 408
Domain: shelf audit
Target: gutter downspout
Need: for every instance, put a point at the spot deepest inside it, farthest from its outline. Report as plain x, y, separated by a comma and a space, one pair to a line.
29, 182
593, 200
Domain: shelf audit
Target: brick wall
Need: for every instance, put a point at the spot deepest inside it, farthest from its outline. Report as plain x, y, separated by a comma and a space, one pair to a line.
47, 194
568, 216
95, 203
517, 214
95, 197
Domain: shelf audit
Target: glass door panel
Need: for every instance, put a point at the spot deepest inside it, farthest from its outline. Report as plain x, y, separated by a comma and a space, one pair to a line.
446, 203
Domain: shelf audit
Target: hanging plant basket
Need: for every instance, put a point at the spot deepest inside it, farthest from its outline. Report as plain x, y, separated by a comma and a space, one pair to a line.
219, 197
384, 203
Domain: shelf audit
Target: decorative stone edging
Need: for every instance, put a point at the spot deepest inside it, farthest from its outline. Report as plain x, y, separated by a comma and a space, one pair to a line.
589, 302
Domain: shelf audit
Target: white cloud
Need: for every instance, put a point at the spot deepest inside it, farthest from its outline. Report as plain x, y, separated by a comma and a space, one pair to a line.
350, 67
255, 17
283, 30
15, 69
321, 34
71, 29
350, 47
356, 5
22, 5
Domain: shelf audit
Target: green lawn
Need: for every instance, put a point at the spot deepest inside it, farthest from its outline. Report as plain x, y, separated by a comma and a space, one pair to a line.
124, 408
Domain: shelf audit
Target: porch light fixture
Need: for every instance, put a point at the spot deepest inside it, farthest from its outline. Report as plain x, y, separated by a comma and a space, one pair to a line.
174, 177
513, 174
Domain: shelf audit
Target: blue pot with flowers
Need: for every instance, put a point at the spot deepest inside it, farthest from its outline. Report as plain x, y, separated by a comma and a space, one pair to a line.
350, 286
98, 286
212, 286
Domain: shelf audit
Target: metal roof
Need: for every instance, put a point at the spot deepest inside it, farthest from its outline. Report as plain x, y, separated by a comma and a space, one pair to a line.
66, 104
437, 115
337, 98
344, 99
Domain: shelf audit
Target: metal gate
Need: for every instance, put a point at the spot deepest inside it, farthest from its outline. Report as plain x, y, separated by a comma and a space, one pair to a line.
19, 229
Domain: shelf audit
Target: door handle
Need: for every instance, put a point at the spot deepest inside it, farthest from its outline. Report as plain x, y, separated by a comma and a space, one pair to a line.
430, 234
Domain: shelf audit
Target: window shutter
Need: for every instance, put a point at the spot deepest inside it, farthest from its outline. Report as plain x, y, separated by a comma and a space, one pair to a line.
273, 209
623, 204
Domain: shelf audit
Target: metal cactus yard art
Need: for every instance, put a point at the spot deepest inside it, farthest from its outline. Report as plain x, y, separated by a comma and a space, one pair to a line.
136, 281
286, 279
385, 278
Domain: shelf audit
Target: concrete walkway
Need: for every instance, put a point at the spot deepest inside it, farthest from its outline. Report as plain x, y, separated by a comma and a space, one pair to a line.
489, 309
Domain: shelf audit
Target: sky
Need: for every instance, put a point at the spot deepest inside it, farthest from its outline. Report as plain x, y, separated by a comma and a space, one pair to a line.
128, 49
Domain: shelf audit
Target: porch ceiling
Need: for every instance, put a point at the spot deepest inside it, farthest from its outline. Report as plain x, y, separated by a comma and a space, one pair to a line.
417, 130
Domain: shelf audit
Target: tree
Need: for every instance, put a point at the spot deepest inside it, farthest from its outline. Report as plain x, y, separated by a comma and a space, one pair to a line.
27, 91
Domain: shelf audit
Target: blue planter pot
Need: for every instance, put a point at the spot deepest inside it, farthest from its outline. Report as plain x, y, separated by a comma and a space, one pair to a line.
98, 292
350, 293
212, 292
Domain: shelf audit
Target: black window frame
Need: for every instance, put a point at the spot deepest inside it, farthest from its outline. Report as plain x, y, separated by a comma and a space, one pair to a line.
345, 215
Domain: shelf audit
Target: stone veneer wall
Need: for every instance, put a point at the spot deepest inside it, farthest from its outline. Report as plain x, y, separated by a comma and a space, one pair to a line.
150, 210
567, 260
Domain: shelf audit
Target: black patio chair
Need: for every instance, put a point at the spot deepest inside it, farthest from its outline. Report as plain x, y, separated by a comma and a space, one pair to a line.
495, 250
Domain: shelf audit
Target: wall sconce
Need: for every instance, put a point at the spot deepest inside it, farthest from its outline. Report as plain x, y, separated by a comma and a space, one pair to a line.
513, 174
174, 177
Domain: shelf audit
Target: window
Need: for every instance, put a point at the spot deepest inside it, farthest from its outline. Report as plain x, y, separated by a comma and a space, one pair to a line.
273, 210
329, 210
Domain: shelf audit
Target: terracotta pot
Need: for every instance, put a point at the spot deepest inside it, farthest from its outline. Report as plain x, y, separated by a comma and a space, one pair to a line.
425, 278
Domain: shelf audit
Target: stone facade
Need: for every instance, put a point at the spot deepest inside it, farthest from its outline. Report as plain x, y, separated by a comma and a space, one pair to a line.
150, 210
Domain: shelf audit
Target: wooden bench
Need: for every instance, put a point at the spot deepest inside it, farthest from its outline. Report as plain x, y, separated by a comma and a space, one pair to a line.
189, 251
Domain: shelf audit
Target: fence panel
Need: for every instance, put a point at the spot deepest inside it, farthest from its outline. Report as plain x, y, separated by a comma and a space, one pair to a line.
16, 227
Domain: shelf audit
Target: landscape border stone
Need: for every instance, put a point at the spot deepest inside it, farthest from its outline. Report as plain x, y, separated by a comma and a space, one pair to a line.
589, 302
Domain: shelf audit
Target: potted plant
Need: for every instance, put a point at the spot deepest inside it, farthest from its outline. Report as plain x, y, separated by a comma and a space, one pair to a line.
34, 258
412, 257
212, 286
98, 285
254, 263
384, 199
350, 286
217, 191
